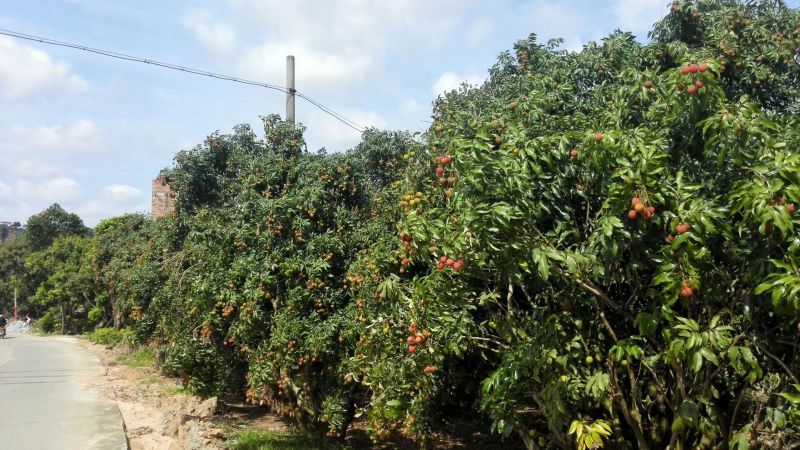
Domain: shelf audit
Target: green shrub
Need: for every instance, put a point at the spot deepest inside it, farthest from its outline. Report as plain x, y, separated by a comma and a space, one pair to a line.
111, 336
95, 315
48, 322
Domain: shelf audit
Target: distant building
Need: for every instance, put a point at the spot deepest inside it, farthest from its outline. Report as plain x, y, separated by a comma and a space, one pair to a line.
10, 232
163, 201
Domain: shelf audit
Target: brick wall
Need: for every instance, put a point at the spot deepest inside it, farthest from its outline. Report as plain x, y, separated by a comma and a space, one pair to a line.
163, 202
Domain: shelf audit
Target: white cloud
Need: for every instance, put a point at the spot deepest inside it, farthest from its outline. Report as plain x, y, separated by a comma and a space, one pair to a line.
410, 107
336, 136
312, 67
62, 186
121, 193
451, 80
5, 190
559, 20
35, 168
336, 42
367, 119
81, 135
94, 211
215, 35
35, 161
26, 71
479, 30
638, 16
26, 198
347, 52
352, 24
54, 190
115, 200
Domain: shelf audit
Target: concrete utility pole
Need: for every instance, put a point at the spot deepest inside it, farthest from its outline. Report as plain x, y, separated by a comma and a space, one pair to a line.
15, 303
290, 88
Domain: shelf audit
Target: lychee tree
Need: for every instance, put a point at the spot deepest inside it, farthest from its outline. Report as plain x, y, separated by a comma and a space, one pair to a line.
623, 222
258, 295
128, 260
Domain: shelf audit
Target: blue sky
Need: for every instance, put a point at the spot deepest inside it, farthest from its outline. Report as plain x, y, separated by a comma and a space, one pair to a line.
91, 132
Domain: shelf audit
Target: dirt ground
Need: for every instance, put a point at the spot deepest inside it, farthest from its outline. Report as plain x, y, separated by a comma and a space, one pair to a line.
156, 412
159, 415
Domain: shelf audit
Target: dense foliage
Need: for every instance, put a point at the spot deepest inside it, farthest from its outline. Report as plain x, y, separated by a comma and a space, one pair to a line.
46, 269
66, 288
41, 229
594, 248
605, 233
128, 263
271, 231
12, 269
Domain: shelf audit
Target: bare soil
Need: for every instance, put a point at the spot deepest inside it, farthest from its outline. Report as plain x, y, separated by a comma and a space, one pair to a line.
156, 413
159, 415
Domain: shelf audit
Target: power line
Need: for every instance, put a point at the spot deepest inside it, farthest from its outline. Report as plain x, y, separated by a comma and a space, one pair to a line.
333, 113
205, 73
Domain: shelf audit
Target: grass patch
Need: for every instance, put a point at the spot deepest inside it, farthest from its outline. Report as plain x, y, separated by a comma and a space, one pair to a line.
143, 357
110, 336
278, 440
178, 391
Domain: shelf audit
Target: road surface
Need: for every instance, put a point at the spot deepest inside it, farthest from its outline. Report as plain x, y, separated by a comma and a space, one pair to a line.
44, 401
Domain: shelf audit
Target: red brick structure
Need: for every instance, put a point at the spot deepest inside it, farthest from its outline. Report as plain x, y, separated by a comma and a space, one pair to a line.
163, 202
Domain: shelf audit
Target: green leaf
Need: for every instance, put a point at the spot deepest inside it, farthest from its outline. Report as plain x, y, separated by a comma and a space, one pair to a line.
741, 439
709, 355
791, 398
696, 362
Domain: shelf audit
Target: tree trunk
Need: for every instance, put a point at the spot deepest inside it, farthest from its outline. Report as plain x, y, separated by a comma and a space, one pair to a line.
115, 314
62, 317
631, 415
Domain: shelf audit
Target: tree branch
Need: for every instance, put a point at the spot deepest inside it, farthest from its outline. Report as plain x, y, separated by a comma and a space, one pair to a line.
608, 327
557, 434
633, 419
509, 299
586, 285
497, 343
594, 290
660, 385
781, 363
735, 414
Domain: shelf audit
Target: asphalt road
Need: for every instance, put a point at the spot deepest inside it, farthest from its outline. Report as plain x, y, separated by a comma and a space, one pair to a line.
44, 401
